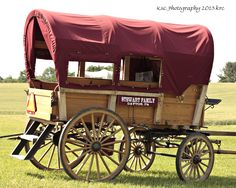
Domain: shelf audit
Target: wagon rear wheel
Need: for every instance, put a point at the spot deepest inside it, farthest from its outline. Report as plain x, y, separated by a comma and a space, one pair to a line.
141, 152
47, 156
195, 158
89, 145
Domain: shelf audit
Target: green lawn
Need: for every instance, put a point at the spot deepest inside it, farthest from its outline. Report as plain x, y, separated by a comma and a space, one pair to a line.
225, 112
15, 173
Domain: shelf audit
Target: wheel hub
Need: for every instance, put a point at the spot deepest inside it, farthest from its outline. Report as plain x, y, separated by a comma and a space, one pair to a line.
196, 159
138, 151
96, 146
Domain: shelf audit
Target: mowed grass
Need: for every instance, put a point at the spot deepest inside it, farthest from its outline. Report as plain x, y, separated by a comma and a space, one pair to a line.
225, 112
12, 98
16, 173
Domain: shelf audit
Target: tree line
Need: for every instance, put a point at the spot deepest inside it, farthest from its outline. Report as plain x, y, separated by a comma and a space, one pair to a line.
228, 74
49, 74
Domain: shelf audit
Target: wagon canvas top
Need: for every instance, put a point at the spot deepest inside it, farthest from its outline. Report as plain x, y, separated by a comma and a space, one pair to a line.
186, 50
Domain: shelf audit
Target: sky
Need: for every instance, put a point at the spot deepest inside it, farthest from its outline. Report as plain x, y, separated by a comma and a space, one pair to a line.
218, 15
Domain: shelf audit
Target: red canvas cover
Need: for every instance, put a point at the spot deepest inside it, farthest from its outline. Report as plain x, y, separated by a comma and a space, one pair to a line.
187, 50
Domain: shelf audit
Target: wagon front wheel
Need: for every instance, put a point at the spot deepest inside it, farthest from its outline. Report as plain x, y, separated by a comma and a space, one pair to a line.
195, 158
89, 145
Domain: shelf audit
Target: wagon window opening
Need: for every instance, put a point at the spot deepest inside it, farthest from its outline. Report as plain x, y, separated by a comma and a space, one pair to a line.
45, 75
141, 71
90, 73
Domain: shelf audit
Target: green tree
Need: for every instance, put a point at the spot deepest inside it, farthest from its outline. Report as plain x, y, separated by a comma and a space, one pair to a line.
228, 73
93, 68
9, 79
49, 74
22, 77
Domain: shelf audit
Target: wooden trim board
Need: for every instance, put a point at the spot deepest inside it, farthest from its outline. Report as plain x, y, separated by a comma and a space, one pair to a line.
199, 106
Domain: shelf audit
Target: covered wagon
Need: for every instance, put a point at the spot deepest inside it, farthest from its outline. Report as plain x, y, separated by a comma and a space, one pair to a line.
93, 127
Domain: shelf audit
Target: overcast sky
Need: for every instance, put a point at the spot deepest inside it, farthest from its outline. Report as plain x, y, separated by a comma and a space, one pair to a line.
220, 21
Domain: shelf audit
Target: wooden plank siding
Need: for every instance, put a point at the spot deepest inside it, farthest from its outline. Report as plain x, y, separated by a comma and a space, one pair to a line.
76, 102
45, 109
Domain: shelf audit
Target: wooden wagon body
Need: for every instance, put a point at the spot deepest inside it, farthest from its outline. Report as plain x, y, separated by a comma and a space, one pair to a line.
158, 87
178, 57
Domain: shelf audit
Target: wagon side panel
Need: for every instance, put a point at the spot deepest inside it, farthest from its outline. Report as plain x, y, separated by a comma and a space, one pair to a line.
179, 110
41, 104
79, 101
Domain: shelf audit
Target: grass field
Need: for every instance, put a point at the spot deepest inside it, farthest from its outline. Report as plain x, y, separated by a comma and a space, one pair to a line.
15, 173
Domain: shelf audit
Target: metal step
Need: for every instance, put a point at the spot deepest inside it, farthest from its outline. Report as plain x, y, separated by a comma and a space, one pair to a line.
29, 137
20, 157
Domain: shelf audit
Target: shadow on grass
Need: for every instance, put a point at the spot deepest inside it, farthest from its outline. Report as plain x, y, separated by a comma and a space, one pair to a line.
35, 175
170, 179
150, 179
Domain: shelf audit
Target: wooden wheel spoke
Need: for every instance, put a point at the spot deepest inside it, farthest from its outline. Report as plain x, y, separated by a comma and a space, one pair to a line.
72, 151
132, 162
90, 167
201, 168
203, 154
131, 156
191, 171
101, 124
84, 162
111, 159
140, 165
132, 146
45, 153
51, 156
186, 164
196, 145
114, 142
203, 148
184, 153
111, 135
77, 143
204, 164
86, 130
187, 170
182, 159
42, 146
194, 172
143, 160
104, 163
192, 146
107, 128
93, 127
198, 172
187, 147
78, 149
204, 159
199, 147
136, 164
112, 150
147, 157
97, 165
79, 159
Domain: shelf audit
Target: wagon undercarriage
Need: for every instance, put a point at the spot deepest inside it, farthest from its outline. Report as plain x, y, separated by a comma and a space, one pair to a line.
95, 145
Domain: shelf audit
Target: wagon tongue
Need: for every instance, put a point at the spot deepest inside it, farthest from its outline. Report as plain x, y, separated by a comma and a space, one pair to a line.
31, 104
